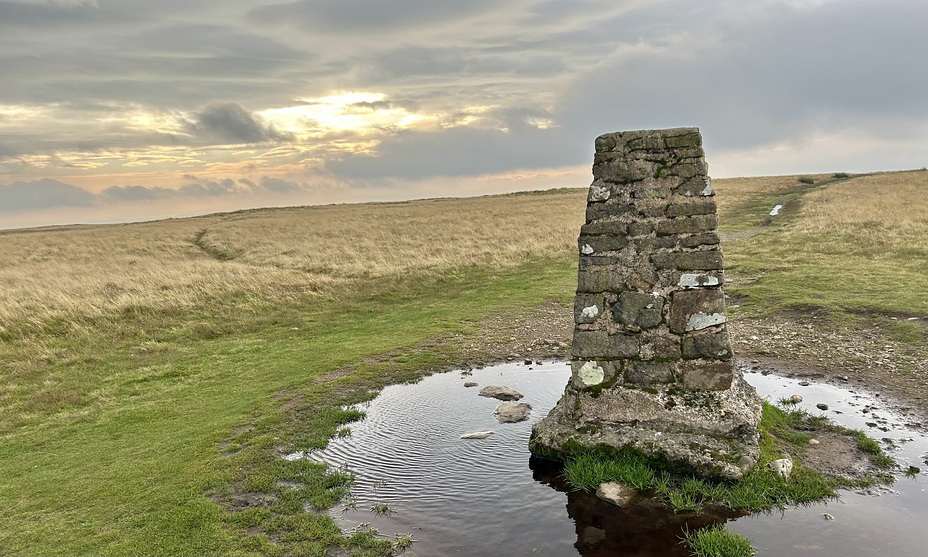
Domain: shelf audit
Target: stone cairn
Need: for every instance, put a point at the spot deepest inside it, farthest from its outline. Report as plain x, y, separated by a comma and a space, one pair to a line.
652, 360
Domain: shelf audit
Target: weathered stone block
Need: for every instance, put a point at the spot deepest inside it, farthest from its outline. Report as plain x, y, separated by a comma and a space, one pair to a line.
709, 376
638, 310
590, 245
614, 227
605, 142
688, 137
607, 210
590, 373
649, 208
691, 310
640, 228
690, 207
651, 188
697, 280
696, 240
613, 167
707, 260
647, 142
646, 373
688, 225
659, 344
588, 308
600, 344
594, 278
711, 345
696, 187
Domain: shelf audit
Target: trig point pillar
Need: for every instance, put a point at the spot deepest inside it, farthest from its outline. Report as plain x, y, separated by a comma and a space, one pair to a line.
652, 361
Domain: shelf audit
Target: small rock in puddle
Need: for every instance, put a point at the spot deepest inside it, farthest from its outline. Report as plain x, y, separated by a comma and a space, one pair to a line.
478, 434
470, 384
512, 412
821, 406
501, 393
827, 516
615, 493
795, 399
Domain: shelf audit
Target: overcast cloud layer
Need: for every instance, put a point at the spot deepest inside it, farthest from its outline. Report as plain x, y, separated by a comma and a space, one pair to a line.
107, 104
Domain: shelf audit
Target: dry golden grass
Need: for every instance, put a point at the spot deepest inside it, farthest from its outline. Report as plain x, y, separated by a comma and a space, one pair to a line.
271, 254
281, 254
892, 205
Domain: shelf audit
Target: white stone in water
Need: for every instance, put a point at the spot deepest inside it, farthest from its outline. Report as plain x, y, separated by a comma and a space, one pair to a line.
589, 312
587, 249
591, 373
599, 193
512, 412
702, 320
478, 434
615, 493
707, 191
692, 280
783, 467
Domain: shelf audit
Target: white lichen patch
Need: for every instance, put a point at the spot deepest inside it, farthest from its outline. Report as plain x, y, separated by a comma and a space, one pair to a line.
692, 280
591, 374
589, 312
702, 320
599, 192
587, 249
707, 191
776, 210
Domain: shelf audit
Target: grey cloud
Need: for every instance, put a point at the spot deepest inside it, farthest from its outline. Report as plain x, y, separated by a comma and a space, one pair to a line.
231, 122
193, 39
461, 151
41, 194
16, 15
135, 193
340, 16
756, 80
278, 185
203, 188
415, 61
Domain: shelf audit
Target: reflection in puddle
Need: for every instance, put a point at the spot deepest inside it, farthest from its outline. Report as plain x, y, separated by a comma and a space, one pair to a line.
479, 496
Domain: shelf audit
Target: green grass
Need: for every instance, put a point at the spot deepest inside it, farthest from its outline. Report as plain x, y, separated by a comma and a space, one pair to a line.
717, 541
122, 441
759, 490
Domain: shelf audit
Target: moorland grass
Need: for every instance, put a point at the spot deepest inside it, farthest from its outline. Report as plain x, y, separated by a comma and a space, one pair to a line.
151, 372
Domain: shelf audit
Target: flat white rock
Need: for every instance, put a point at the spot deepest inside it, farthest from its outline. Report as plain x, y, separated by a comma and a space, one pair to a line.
478, 434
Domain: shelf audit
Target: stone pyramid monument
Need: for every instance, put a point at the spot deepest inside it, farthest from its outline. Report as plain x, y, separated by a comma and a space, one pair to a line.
652, 361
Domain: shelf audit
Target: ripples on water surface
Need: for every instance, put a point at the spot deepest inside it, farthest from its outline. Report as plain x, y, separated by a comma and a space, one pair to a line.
479, 497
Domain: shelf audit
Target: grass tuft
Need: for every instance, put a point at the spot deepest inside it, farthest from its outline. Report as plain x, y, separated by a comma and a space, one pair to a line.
717, 541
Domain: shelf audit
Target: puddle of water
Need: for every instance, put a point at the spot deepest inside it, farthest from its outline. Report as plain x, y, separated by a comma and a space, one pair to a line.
480, 496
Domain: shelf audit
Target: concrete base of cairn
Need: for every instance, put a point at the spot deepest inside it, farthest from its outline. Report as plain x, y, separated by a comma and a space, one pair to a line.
652, 360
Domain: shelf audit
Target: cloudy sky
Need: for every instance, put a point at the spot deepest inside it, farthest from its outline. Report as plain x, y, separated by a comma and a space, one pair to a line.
114, 110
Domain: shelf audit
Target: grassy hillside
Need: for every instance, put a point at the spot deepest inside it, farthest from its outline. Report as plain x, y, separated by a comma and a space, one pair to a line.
151, 372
